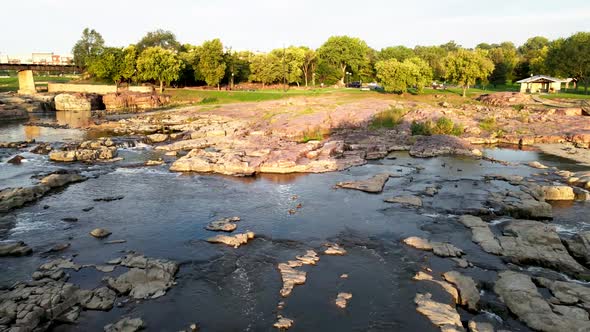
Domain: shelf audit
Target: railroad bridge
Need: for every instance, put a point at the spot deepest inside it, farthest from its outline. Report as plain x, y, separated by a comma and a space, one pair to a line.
26, 82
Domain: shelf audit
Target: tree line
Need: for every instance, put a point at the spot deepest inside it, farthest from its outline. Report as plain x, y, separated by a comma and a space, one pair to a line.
158, 57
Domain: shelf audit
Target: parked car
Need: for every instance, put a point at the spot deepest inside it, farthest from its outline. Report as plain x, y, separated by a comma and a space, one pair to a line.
355, 84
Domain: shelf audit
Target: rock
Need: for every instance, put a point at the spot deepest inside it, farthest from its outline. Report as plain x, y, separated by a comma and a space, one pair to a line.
13, 114
334, 249
372, 185
130, 101
410, 200
16, 160
224, 225
442, 315
342, 299
109, 198
579, 247
422, 276
558, 193
519, 205
480, 326
461, 262
310, 258
481, 234
58, 248
59, 264
147, 277
51, 274
126, 325
581, 194
69, 219
283, 323
469, 295
290, 277
157, 138
60, 180
18, 248
102, 149
438, 145
154, 162
77, 102
570, 293
98, 299
233, 241
86, 209
430, 191
528, 242
11, 198
100, 233
536, 164
438, 248
523, 299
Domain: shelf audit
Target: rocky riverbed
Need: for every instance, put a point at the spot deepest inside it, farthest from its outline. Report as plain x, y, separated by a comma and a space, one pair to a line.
469, 239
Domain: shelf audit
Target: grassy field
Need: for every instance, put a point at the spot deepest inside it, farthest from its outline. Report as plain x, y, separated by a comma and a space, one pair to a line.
11, 83
225, 97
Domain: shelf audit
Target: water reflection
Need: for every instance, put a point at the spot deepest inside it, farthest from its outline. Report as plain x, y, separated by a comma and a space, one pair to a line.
74, 119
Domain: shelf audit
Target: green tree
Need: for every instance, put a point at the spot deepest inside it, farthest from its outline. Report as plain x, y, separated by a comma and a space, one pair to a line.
434, 56
161, 38
343, 53
88, 47
399, 53
158, 64
396, 76
465, 67
310, 60
570, 57
108, 65
266, 69
211, 62
532, 57
129, 64
505, 59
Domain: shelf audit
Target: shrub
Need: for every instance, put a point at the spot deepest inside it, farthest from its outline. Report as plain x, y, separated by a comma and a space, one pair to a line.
209, 100
488, 124
442, 126
313, 134
388, 119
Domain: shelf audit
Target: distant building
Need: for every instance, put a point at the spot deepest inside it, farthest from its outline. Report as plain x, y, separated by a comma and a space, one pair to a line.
41, 58
541, 83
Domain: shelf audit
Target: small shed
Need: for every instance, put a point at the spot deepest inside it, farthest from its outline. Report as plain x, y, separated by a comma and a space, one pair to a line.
540, 83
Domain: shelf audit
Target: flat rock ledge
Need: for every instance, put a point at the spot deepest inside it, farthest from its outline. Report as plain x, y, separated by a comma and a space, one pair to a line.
439, 145
438, 248
442, 315
374, 184
233, 240
14, 248
126, 325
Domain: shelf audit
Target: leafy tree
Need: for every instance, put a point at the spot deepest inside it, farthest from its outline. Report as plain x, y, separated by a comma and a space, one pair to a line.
396, 76
188, 55
211, 62
451, 46
291, 62
505, 59
434, 56
88, 47
465, 67
161, 38
156, 63
327, 73
532, 57
265, 68
570, 57
343, 53
129, 64
108, 65
399, 53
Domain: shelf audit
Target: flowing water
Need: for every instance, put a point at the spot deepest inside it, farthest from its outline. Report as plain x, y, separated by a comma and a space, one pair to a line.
163, 215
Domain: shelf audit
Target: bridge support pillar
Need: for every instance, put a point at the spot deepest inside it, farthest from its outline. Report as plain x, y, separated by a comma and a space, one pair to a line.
26, 83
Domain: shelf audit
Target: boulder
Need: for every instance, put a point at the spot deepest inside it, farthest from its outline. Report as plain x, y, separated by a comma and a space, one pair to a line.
98, 299
520, 294
334, 249
481, 234
468, 293
409, 200
290, 277
11, 198
14, 248
442, 315
223, 225
60, 180
146, 278
558, 193
342, 299
528, 242
438, 248
100, 233
133, 101
232, 241
126, 325
579, 247
374, 184
78, 102
12, 114
283, 323
518, 204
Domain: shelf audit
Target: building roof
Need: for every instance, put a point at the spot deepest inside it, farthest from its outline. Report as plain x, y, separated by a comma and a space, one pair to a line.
541, 79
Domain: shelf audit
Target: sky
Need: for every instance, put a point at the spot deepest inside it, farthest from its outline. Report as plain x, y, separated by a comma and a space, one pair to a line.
261, 25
